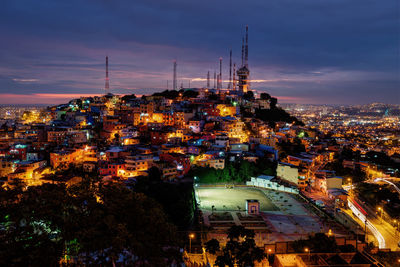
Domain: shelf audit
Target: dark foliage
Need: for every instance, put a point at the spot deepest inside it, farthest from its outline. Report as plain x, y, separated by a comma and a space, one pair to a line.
317, 243
290, 148
249, 96
177, 199
128, 97
213, 96
84, 224
275, 114
190, 94
169, 94
265, 96
237, 172
240, 250
385, 195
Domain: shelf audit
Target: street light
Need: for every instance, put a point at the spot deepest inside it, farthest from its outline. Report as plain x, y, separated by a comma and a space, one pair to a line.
349, 180
306, 250
330, 232
268, 253
190, 242
380, 213
396, 225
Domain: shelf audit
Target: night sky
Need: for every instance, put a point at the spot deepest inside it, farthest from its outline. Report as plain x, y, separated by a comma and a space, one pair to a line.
302, 51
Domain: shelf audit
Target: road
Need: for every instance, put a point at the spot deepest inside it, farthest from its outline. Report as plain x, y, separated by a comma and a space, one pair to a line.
360, 214
389, 182
383, 232
391, 236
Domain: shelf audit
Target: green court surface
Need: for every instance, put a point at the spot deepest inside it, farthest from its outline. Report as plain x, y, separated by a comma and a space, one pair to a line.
231, 199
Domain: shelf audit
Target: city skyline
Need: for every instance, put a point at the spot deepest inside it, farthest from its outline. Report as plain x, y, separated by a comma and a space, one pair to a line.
303, 52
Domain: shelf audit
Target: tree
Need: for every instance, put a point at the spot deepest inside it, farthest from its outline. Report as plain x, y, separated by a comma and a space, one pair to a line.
32, 227
240, 249
318, 243
212, 246
275, 114
273, 102
169, 94
177, 200
128, 97
88, 223
190, 94
213, 96
154, 174
265, 96
249, 96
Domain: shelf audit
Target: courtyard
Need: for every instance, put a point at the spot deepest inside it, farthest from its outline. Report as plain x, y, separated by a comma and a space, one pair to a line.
283, 215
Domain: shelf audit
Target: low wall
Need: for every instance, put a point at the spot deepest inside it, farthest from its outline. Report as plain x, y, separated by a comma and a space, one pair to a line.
284, 247
348, 222
271, 185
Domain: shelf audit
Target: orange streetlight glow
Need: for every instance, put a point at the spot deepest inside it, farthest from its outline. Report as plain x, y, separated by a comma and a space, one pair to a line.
191, 236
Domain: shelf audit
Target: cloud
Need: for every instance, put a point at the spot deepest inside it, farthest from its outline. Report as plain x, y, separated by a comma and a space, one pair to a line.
311, 47
25, 80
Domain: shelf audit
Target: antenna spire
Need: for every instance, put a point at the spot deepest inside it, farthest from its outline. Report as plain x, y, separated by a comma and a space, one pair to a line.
174, 77
247, 47
234, 77
107, 84
242, 51
208, 79
220, 73
230, 70
215, 77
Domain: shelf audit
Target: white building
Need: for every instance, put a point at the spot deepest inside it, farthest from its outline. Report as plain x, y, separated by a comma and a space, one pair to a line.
287, 172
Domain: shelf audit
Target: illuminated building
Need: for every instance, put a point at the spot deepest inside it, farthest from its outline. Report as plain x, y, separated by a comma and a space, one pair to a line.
6, 166
222, 140
196, 125
113, 169
226, 110
28, 171
62, 159
218, 163
68, 135
147, 108
138, 163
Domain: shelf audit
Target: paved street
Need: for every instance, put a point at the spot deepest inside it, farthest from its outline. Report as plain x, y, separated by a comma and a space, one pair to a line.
384, 233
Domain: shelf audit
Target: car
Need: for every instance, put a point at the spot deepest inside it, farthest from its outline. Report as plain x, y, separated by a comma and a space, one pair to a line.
319, 203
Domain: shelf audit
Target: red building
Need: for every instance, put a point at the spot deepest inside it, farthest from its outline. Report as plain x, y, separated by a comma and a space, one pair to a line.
113, 169
158, 137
